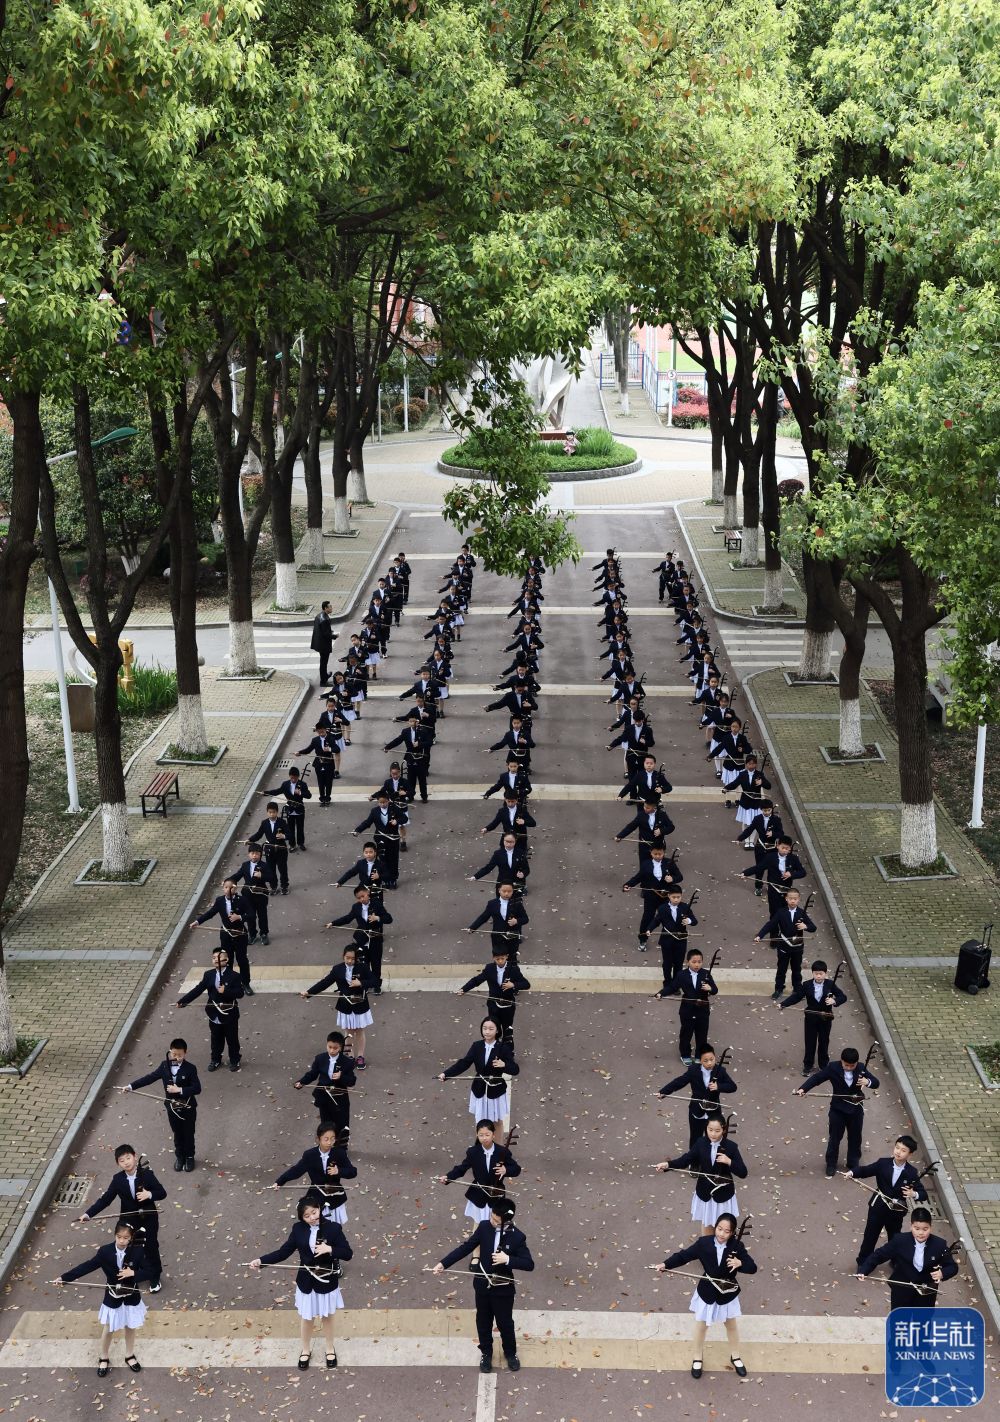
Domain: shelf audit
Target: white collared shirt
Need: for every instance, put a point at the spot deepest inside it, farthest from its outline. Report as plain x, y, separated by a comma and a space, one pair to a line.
918, 1255
333, 1065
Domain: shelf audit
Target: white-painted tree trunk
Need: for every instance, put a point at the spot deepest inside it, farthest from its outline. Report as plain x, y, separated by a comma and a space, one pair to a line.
242, 659
730, 518
774, 589
341, 519
311, 549
918, 836
192, 737
117, 840
718, 483
750, 549
286, 580
8, 1037
624, 405
130, 563
851, 742
217, 533
814, 664
357, 489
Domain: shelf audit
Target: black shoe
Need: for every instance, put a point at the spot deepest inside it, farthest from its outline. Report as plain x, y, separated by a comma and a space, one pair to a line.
234, 1066
485, 1365
248, 990
514, 1363
697, 1368
252, 941
776, 995
284, 888
189, 1164
265, 938
155, 1288
134, 1366
739, 1365
403, 848
303, 1362
830, 1174
214, 1066
806, 1068
103, 1367
378, 990
178, 1162
331, 1360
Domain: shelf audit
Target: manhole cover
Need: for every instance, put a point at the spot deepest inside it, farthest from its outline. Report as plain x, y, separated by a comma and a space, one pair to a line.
74, 1190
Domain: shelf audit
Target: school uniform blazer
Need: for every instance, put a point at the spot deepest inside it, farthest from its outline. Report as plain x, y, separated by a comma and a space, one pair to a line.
106, 1260
515, 707
834, 1074
508, 823
652, 887
491, 977
516, 918
807, 997
320, 1073
263, 873
121, 1190
329, 1186
770, 867
294, 791
492, 1084
389, 826
475, 1160
704, 1252
219, 907
636, 738
512, 1242
647, 835
882, 1171
396, 791
692, 1078
766, 828
699, 1157
187, 1080
788, 922
646, 784
688, 990
321, 753
341, 976
624, 692
329, 1233
899, 1253
751, 785
619, 669
369, 876
506, 871
354, 916
223, 1001
519, 744
665, 918
521, 786
270, 831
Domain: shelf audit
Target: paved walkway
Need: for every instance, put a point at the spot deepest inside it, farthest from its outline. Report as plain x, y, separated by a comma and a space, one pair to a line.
732, 589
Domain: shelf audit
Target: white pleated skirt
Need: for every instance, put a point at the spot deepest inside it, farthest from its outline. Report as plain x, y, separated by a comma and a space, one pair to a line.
316, 1305
355, 1020
745, 817
714, 1313
707, 1212
487, 1108
373, 659
442, 693
479, 1213
339, 1215
123, 1316
358, 697
457, 620
349, 715
728, 776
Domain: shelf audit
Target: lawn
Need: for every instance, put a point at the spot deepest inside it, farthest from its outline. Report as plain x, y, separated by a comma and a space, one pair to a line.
458, 457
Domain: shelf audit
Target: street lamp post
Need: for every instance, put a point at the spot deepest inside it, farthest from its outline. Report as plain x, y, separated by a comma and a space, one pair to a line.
72, 787
977, 786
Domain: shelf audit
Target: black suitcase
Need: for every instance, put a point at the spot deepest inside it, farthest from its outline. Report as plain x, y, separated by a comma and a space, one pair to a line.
973, 968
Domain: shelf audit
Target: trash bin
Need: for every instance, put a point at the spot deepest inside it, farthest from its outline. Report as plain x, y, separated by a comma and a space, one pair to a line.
81, 706
973, 968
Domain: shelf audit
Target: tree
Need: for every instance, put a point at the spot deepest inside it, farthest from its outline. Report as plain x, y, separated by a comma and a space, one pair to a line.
618, 328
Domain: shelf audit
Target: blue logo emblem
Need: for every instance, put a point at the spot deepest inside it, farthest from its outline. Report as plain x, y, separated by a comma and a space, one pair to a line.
935, 1357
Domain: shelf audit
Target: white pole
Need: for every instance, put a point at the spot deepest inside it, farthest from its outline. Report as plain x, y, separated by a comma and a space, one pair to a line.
406, 402
977, 786
380, 414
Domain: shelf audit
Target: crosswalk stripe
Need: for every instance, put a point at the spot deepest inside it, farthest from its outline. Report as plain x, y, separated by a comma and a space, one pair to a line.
591, 794
445, 1338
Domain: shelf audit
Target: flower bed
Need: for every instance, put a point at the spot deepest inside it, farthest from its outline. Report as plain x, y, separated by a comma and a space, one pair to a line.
554, 461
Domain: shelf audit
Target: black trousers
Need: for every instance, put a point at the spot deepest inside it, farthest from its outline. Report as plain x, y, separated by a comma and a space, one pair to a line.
696, 1128
388, 852
297, 828
335, 1109
694, 1024
902, 1296
416, 774
502, 1012
278, 859
495, 1306
509, 940
672, 951
225, 1034
880, 1218
649, 910
371, 950
817, 1034
788, 958
242, 959
852, 1123
324, 668
324, 778
182, 1124
148, 1230
255, 912
663, 585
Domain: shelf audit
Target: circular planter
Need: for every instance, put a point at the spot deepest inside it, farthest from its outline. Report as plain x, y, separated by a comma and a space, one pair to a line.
563, 476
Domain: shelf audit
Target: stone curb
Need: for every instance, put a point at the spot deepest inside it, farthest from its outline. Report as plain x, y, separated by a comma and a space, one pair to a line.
158, 968
278, 619
706, 587
949, 1195
572, 476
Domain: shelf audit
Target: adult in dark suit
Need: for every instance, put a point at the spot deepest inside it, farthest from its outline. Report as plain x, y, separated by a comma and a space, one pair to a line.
135, 1191
920, 1262
897, 1188
502, 1249
224, 990
181, 1089
322, 640
320, 1245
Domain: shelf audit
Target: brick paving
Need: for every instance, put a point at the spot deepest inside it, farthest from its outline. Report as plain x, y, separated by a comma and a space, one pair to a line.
732, 589
80, 1005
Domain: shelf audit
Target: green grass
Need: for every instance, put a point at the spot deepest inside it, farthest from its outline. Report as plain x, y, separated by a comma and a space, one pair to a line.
990, 1058
154, 692
590, 439
22, 1051
458, 458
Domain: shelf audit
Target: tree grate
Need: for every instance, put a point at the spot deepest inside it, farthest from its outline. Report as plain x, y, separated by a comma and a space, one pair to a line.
73, 1190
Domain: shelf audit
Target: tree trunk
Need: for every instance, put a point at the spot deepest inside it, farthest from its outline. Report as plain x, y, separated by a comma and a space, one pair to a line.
286, 579
286, 586
774, 594
851, 740
750, 547
918, 830
191, 736
110, 776
357, 489
311, 552
731, 483
341, 469
17, 553
774, 589
817, 640
718, 471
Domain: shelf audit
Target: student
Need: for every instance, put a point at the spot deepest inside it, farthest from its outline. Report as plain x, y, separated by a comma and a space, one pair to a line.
511, 818
697, 987
492, 1166
897, 1188
354, 1015
502, 1249
780, 867
514, 779
369, 872
333, 1072
918, 1258
503, 980
488, 1098
416, 742
707, 1079
369, 920
273, 832
296, 792
385, 821
716, 1161
233, 935
820, 996
325, 749
653, 824
181, 1089
137, 1191
122, 1308
327, 1165
320, 1244
847, 1109
787, 925
505, 917
509, 863
222, 1009
716, 1297
655, 878
673, 918
258, 884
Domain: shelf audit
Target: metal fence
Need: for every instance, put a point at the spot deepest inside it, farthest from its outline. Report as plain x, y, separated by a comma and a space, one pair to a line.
659, 385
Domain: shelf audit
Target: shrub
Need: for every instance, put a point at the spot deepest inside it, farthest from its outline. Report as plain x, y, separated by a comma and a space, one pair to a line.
690, 408
593, 440
154, 690
790, 488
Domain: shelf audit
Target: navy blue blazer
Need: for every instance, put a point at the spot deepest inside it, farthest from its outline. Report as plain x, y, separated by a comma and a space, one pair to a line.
704, 1252
490, 1275
308, 1282
107, 1261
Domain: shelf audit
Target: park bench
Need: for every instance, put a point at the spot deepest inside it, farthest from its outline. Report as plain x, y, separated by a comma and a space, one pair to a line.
733, 539
161, 785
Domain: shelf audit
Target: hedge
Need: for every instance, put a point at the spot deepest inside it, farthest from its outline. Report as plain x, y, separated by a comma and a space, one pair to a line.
459, 457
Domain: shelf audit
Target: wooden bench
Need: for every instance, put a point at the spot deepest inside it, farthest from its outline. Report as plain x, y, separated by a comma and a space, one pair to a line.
733, 539
161, 785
